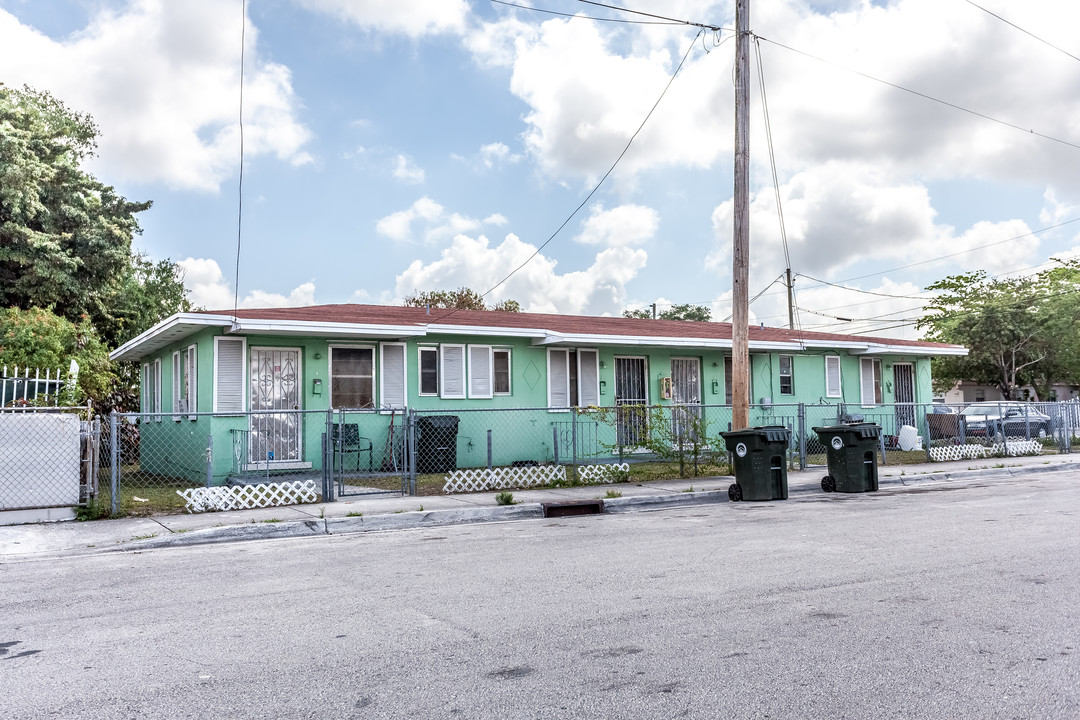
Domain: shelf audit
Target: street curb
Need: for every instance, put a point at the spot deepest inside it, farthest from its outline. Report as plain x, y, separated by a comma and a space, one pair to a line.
432, 518
523, 511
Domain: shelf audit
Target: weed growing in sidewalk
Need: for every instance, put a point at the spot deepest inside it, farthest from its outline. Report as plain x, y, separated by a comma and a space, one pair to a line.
505, 498
612, 494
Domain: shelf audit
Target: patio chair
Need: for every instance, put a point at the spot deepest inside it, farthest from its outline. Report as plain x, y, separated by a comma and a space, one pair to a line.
347, 440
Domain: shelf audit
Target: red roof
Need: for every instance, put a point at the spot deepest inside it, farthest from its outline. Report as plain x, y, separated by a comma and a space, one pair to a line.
568, 324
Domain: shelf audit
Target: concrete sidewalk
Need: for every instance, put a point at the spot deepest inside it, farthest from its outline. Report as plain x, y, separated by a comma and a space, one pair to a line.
392, 512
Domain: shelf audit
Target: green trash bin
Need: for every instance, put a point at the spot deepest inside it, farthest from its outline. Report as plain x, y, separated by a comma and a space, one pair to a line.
760, 458
852, 454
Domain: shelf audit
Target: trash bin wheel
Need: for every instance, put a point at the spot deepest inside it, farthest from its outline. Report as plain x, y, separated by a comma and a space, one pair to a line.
734, 493
828, 483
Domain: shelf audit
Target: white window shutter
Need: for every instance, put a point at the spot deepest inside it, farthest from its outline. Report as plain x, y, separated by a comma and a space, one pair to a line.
588, 378
145, 396
866, 378
558, 379
229, 367
452, 372
832, 376
392, 378
192, 380
156, 385
480, 362
176, 372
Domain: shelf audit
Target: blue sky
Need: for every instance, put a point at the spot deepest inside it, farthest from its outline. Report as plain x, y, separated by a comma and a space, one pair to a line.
400, 145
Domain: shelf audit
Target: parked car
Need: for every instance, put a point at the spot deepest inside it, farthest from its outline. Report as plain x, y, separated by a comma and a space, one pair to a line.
1012, 419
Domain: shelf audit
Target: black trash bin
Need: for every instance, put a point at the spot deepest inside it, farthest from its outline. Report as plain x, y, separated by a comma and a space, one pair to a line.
760, 458
852, 453
436, 443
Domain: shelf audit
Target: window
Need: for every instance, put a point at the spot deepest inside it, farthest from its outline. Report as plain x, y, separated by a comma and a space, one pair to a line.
728, 374
452, 371
502, 371
787, 379
392, 375
155, 385
573, 378
429, 371
184, 382
480, 363
832, 376
870, 380
229, 370
352, 377
144, 389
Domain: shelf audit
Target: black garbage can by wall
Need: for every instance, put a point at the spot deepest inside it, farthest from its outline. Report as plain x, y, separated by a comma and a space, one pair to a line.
436, 443
851, 450
760, 458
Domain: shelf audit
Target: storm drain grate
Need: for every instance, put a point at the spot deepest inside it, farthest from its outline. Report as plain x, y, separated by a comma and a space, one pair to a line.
572, 507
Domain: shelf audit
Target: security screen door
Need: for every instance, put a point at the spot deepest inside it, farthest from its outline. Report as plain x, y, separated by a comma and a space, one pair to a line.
686, 398
631, 398
275, 385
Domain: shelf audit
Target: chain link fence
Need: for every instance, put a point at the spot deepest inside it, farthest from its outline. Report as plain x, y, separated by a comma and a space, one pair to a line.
139, 463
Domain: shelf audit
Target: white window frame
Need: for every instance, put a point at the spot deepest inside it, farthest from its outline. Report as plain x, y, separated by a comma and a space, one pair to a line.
872, 366
446, 352
375, 364
790, 375
388, 404
420, 370
157, 390
509, 371
144, 389
476, 354
833, 360
191, 390
565, 362
245, 362
179, 389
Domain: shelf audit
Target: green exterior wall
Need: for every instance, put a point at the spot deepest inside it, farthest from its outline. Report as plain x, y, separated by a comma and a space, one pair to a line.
524, 430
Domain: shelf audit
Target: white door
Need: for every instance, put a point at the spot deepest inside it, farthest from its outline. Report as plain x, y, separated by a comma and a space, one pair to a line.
275, 386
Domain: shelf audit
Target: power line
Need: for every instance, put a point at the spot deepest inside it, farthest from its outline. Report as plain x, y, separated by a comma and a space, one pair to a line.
240, 184
586, 17
921, 94
599, 183
1030, 34
714, 28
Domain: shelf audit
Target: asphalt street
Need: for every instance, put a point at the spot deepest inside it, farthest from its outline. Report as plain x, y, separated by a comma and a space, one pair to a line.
935, 601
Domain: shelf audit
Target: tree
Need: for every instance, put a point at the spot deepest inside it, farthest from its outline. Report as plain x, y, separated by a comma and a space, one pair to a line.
147, 293
461, 299
1017, 330
38, 338
65, 237
684, 311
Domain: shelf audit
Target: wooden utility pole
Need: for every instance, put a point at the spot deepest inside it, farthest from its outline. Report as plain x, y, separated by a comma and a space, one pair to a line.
790, 302
740, 270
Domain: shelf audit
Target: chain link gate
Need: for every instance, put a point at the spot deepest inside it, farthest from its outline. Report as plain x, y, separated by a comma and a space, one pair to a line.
367, 453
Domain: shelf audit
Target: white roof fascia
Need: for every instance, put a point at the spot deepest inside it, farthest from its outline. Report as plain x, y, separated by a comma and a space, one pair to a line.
908, 350
262, 326
485, 330
637, 340
130, 349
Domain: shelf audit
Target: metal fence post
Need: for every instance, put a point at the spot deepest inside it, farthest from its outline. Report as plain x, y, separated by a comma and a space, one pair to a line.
209, 460
573, 438
412, 452
114, 462
802, 436
555, 442
328, 457
926, 430
489, 451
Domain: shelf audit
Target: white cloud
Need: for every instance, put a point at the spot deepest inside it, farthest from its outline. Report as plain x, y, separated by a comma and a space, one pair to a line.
162, 81
497, 154
469, 262
623, 225
209, 289
407, 171
414, 18
438, 224
840, 214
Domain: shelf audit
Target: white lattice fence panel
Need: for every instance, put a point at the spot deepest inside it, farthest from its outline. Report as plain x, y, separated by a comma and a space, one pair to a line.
603, 473
957, 452
1017, 448
242, 497
503, 477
